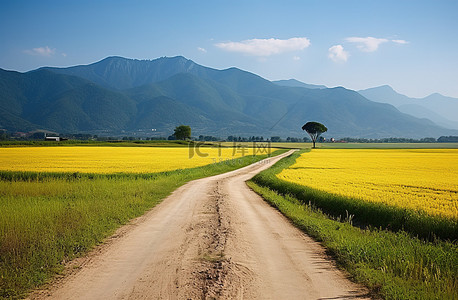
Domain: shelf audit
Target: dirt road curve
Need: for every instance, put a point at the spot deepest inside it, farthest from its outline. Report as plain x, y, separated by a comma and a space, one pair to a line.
212, 238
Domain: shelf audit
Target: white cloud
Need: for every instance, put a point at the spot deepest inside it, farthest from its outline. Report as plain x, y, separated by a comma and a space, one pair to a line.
265, 47
402, 42
367, 44
338, 54
202, 49
42, 51
296, 58
64, 54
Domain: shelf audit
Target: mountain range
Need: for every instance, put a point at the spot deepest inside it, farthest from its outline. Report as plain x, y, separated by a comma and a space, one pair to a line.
440, 109
297, 83
118, 95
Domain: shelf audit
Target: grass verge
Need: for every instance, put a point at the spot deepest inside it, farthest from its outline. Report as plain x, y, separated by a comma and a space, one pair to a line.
394, 265
47, 219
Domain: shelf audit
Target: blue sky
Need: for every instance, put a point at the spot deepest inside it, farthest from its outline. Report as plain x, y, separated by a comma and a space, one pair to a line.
410, 45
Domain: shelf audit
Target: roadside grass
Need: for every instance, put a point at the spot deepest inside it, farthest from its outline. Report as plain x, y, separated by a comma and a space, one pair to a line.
393, 263
47, 219
363, 213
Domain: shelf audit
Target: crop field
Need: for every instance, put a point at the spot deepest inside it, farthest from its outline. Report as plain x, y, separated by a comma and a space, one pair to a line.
423, 180
108, 160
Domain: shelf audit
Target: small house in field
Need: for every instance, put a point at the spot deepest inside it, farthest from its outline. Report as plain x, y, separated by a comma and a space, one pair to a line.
53, 138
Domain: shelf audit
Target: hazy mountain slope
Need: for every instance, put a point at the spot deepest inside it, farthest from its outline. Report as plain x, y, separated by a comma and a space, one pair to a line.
89, 107
21, 93
199, 93
242, 82
297, 83
163, 112
420, 111
14, 122
445, 107
60, 102
385, 94
11, 89
218, 105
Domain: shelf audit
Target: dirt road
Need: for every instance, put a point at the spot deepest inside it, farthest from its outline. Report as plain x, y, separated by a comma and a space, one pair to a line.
212, 238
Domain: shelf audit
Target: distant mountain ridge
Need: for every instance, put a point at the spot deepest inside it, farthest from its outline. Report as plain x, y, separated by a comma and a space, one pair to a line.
297, 83
123, 73
436, 107
118, 95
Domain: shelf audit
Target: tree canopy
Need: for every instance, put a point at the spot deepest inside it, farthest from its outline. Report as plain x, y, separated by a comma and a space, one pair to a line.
182, 132
314, 129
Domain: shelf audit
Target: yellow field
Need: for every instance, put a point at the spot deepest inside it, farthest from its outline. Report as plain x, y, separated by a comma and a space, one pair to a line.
114, 159
420, 179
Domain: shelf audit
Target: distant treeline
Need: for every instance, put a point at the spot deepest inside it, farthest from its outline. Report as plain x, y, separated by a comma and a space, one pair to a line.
4, 135
233, 138
448, 139
442, 139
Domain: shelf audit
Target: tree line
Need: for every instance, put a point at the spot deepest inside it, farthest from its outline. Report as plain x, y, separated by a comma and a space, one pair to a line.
442, 139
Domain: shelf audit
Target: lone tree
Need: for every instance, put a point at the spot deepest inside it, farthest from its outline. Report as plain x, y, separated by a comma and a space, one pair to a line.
182, 132
314, 129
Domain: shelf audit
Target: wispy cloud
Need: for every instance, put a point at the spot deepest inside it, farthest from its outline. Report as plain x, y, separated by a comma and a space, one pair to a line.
367, 44
265, 47
203, 50
402, 42
41, 51
338, 54
371, 44
296, 58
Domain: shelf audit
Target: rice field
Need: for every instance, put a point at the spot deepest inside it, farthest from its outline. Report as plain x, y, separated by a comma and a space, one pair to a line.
108, 160
424, 180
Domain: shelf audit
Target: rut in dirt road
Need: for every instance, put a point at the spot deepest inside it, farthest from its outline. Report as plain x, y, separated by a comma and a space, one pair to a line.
212, 238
